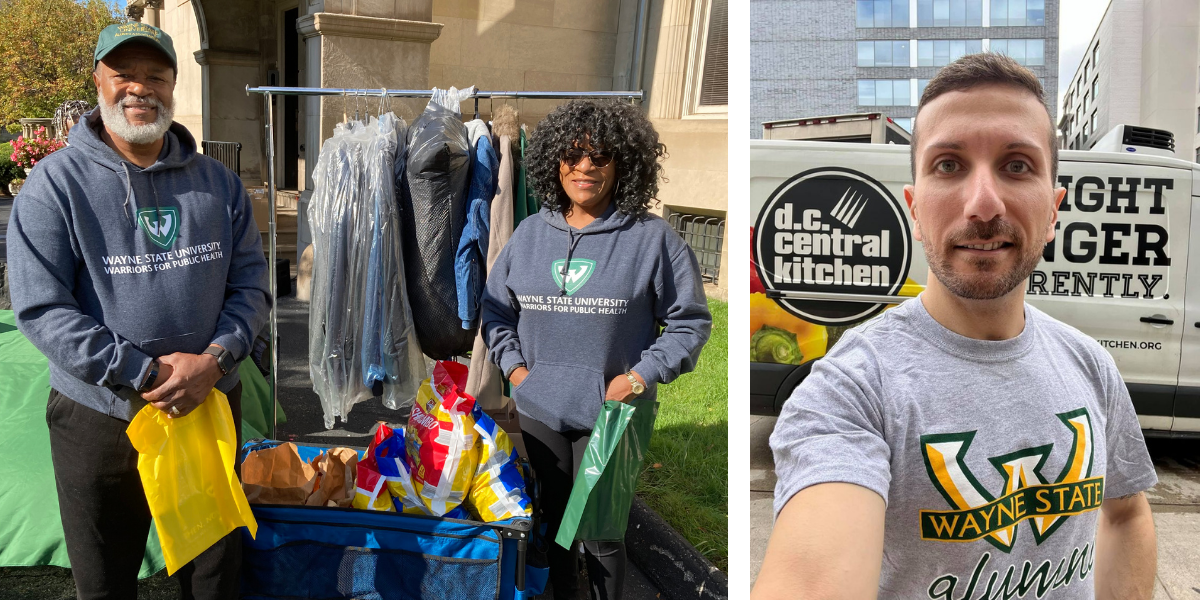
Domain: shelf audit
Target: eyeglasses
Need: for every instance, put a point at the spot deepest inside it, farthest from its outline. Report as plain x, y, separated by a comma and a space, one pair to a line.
599, 158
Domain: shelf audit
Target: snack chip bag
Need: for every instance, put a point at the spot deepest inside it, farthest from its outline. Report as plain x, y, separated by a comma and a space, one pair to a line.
441, 440
498, 490
370, 486
391, 459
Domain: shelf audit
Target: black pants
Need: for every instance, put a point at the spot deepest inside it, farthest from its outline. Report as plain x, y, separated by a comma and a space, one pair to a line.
556, 457
105, 517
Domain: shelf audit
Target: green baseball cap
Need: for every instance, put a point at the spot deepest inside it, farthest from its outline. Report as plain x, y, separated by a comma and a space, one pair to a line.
115, 36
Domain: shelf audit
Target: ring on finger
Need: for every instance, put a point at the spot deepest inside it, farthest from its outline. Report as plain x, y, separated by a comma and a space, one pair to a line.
175, 410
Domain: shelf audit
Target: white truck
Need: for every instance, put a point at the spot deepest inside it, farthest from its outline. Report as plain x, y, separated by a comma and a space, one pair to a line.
832, 246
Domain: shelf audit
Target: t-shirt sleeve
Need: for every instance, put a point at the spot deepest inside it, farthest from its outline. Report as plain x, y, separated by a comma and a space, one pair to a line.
831, 429
1129, 467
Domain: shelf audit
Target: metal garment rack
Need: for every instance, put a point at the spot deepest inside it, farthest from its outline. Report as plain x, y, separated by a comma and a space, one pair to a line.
270, 92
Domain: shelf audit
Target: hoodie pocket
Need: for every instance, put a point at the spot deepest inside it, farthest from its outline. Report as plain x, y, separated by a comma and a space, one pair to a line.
190, 343
564, 397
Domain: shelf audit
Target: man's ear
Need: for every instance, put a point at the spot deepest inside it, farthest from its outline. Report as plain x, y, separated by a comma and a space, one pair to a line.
1059, 194
912, 211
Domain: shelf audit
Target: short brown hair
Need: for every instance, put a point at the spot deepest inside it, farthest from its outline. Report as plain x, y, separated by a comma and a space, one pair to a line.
980, 69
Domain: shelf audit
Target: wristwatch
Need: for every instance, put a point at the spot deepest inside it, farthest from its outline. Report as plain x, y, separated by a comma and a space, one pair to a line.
513, 369
634, 384
151, 375
225, 360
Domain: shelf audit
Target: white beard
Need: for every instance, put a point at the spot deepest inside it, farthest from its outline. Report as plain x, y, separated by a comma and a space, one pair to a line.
138, 135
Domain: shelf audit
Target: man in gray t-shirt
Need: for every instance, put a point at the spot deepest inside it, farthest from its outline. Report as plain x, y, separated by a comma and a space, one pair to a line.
964, 444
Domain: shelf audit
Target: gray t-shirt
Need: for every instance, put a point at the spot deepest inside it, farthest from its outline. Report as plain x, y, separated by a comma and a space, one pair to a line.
993, 456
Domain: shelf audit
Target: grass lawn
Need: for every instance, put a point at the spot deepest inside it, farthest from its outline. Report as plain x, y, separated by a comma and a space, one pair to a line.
687, 467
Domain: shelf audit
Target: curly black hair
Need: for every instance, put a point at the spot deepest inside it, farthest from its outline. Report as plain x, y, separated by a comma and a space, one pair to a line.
614, 126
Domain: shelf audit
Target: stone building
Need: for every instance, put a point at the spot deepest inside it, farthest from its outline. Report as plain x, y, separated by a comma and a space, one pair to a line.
506, 45
1141, 67
811, 58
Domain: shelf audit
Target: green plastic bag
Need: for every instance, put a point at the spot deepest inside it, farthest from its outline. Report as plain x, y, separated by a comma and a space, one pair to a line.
608, 475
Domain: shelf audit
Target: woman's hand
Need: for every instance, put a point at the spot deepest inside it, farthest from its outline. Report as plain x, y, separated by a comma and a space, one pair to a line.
518, 375
620, 389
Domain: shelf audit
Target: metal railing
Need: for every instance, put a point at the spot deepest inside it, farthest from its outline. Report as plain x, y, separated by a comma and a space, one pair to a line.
705, 235
229, 153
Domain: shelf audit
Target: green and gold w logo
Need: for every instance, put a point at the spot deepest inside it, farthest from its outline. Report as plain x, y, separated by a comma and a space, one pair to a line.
160, 224
581, 270
1027, 494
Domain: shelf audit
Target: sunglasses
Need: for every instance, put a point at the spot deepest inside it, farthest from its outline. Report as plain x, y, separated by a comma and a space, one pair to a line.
599, 158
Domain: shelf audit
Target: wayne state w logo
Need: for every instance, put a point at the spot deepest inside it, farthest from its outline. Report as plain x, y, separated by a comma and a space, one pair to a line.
160, 224
581, 270
1027, 494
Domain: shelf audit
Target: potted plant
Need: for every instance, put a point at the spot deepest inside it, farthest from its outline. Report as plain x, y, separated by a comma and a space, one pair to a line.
28, 151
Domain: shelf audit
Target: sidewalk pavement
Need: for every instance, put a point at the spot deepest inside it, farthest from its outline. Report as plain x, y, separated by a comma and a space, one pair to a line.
1175, 502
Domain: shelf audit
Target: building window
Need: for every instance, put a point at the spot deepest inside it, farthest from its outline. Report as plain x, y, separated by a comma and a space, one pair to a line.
1095, 50
1085, 102
883, 54
1029, 52
1083, 80
1018, 13
884, 92
708, 70
704, 234
939, 53
905, 122
1095, 88
1087, 130
1092, 122
882, 13
949, 13
1198, 155
921, 83
1198, 120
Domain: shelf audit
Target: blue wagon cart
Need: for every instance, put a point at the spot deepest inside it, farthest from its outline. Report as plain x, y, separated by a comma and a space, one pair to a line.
325, 552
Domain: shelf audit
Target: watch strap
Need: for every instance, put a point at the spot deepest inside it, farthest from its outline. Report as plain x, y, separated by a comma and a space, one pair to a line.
223, 356
513, 369
634, 383
151, 377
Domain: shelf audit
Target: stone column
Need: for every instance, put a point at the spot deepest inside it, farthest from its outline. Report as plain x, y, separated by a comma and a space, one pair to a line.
362, 44
229, 115
358, 44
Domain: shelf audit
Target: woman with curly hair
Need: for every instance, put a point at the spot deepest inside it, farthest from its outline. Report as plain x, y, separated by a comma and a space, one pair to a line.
574, 304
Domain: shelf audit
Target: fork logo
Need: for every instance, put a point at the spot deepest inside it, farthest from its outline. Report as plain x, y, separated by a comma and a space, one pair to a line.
1027, 494
581, 270
160, 224
849, 208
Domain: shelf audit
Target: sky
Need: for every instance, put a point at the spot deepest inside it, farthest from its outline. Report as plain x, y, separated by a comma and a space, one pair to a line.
1077, 23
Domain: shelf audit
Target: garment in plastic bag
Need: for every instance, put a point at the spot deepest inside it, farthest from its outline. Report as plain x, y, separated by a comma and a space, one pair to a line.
498, 490
186, 467
433, 204
598, 508
361, 333
441, 439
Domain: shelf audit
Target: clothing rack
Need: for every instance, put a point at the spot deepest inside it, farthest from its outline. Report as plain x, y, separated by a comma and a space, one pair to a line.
271, 91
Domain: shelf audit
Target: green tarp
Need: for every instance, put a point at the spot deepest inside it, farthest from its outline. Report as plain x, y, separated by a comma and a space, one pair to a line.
30, 528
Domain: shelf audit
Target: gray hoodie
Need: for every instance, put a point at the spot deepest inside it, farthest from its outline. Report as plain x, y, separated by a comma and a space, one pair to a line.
627, 276
114, 265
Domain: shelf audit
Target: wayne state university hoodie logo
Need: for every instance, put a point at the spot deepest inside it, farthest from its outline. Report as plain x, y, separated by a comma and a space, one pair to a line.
581, 270
1027, 494
160, 224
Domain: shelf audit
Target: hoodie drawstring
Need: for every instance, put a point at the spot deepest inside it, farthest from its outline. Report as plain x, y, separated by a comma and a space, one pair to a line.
128, 194
572, 241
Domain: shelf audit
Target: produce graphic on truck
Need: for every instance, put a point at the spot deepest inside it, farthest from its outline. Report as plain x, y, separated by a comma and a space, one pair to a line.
832, 247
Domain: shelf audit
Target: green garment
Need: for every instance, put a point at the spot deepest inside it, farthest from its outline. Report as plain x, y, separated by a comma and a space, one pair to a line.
31, 530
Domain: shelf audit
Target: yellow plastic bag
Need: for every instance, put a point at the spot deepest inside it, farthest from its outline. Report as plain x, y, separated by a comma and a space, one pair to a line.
186, 464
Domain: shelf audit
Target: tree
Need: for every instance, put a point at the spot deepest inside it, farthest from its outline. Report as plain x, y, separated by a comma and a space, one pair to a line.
46, 50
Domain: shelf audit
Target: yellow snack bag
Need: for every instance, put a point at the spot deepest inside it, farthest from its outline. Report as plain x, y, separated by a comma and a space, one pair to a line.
498, 489
441, 441
186, 467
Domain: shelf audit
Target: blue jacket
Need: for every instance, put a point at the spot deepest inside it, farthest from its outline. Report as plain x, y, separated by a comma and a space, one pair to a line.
113, 265
469, 260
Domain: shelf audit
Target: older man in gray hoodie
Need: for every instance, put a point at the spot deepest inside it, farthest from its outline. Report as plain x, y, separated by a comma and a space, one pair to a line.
137, 269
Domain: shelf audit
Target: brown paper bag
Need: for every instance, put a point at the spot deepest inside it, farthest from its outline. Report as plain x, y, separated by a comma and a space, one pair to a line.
335, 472
277, 476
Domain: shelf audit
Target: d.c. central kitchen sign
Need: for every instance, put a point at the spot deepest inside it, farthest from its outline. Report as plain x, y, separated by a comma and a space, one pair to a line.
832, 230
